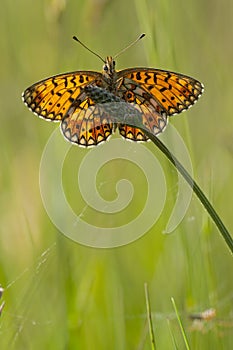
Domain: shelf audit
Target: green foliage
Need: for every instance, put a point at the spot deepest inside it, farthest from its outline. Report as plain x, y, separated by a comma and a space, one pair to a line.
59, 294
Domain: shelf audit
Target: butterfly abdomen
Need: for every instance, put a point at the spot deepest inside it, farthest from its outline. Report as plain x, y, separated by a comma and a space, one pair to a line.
100, 95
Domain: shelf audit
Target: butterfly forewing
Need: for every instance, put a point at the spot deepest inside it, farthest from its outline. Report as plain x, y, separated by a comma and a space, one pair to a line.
53, 97
173, 92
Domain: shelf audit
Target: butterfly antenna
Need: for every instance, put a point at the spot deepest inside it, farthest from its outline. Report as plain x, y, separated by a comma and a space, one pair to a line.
127, 47
94, 53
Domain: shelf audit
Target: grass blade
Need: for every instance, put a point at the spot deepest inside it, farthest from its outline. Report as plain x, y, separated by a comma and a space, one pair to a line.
148, 311
180, 324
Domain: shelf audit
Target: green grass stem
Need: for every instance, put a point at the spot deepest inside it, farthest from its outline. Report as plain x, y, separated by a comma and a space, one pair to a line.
197, 190
149, 318
180, 324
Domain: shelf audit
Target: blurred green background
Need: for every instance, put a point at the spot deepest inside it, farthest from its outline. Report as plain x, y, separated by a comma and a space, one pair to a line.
59, 294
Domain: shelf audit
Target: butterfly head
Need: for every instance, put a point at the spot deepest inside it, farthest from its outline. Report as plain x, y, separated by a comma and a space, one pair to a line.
109, 66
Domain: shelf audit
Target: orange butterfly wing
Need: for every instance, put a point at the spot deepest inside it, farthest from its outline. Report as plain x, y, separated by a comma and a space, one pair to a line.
62, 98
87, 124
142, 96
174, 92
153, 116
158, 94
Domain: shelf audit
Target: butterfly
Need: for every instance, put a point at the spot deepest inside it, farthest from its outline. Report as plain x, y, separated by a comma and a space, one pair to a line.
91, 105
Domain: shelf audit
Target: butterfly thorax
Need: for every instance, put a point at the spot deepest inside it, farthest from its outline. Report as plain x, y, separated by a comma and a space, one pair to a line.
109, 73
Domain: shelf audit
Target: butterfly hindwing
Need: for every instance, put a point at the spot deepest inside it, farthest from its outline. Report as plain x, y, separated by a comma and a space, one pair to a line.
153, 116
86, 124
